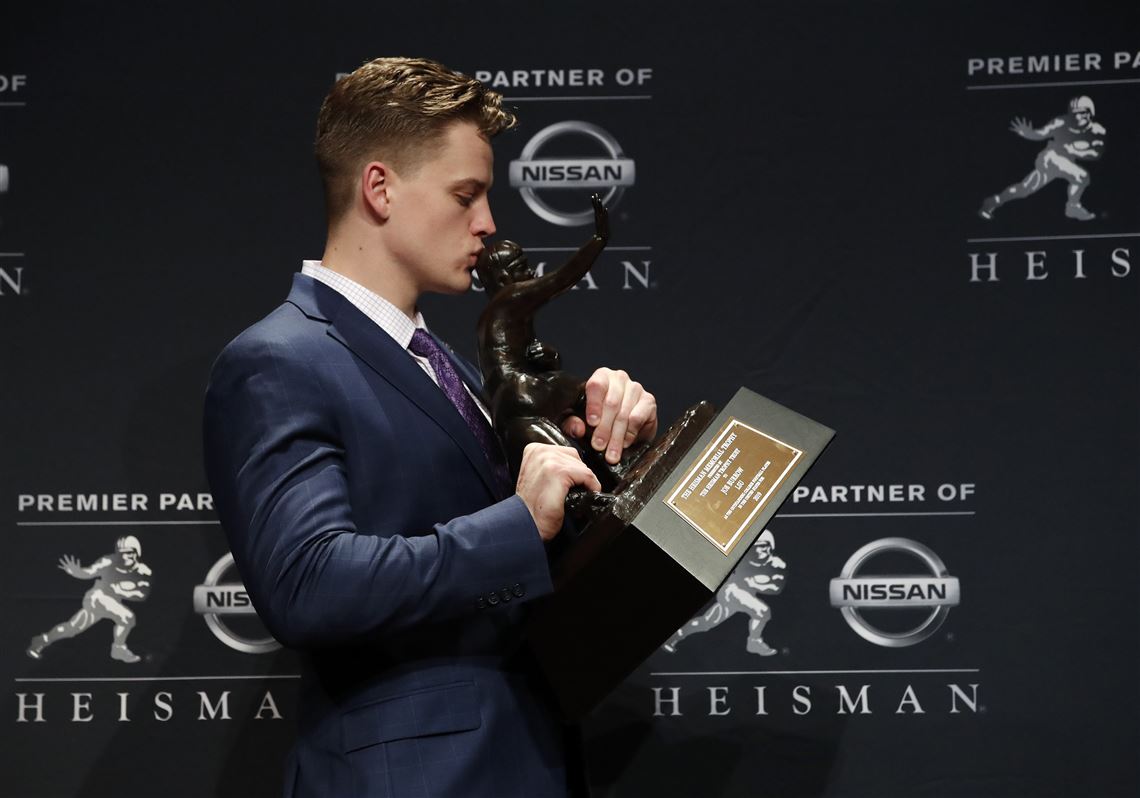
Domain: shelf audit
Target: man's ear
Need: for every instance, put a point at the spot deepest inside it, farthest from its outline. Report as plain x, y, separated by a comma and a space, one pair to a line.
375, 185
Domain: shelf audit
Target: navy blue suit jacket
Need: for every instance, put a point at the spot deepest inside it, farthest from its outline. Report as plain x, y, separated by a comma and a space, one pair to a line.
364, 520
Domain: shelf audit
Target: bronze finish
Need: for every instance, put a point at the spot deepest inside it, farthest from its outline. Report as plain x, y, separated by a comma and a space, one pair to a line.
530, 395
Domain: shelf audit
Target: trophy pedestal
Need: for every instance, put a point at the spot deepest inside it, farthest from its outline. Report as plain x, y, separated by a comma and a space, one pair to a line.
686, 512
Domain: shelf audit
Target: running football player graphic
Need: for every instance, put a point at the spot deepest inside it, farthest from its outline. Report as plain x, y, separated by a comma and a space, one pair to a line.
118, 577
1074, 138
759, 573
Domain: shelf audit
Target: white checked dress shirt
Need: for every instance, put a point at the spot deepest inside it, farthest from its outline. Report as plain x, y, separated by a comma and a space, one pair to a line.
387, 316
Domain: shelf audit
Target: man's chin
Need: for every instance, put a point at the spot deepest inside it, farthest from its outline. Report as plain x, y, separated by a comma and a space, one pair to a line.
460, 285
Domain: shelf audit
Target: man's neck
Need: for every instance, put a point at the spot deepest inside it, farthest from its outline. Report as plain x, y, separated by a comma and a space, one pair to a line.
358, 261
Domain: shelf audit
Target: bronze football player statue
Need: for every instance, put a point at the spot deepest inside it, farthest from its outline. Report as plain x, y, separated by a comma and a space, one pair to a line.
530, 395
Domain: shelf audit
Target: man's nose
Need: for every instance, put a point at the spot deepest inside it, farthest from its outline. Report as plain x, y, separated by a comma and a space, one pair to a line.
484, 224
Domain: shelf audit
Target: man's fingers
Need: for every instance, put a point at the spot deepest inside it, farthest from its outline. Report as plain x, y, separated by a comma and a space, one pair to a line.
596, 388
580, 474
620, 410
611, 409
639, 423
546, 474
574, 427
643, 418
575, 471
590, 481
617, 441
622, 424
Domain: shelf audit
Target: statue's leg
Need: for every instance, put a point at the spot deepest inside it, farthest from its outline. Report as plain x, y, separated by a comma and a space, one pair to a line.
530, 429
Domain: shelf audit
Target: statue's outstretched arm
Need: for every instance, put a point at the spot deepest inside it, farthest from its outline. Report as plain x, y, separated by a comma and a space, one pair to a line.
550, 285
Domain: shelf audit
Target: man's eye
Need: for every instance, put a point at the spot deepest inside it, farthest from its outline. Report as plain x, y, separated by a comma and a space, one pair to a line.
464, 200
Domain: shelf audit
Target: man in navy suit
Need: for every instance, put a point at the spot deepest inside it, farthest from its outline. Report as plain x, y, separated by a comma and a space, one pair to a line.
367, 510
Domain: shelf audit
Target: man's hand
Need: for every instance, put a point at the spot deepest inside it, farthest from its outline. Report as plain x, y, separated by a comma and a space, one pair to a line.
71, 566
546, 475
620, 410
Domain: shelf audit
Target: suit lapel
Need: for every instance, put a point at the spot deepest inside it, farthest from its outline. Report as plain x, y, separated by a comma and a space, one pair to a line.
383, 355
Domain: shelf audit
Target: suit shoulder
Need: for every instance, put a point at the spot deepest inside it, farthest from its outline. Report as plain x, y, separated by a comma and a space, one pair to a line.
285, 347
283, 326
285, 334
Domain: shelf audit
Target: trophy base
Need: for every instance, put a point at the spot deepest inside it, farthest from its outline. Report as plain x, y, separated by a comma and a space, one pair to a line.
685, 512
617, 595
641, 480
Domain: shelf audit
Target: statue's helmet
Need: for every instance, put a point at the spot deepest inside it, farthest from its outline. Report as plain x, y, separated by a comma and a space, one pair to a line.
503, 264
508, 263
129, 543
1082, 103
768, 537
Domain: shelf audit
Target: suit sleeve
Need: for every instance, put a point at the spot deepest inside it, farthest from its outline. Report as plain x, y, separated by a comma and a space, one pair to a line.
276, 465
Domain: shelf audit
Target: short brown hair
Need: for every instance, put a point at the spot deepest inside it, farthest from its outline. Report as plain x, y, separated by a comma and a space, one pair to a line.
395, 109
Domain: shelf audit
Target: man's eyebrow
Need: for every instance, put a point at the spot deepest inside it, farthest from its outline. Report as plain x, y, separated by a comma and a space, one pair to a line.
473, 183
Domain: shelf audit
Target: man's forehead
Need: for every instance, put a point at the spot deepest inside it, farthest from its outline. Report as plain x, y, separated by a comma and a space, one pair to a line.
460, 158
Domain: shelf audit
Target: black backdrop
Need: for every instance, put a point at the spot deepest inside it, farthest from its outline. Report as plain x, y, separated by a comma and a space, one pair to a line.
803, 221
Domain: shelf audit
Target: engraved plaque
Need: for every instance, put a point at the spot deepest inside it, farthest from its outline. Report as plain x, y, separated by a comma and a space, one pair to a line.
731, 482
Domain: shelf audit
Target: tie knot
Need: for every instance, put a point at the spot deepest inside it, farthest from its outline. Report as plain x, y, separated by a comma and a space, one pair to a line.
423, 344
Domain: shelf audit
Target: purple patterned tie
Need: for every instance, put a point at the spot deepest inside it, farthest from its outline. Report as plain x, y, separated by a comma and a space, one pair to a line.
425, 346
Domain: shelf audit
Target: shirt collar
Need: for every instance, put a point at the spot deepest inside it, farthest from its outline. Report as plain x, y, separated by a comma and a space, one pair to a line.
386, 316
